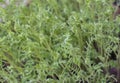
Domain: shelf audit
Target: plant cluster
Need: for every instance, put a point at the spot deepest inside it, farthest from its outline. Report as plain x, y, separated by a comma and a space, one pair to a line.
59, 41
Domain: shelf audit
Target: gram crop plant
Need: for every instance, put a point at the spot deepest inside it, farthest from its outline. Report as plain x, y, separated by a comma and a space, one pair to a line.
58, 41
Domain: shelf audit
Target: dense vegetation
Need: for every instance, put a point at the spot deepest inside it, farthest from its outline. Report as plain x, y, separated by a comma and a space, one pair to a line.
58, 41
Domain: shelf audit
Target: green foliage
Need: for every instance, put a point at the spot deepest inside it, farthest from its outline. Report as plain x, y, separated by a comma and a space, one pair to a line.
54, 39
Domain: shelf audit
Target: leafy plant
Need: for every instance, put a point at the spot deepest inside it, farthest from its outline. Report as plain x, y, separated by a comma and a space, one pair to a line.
58, 41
